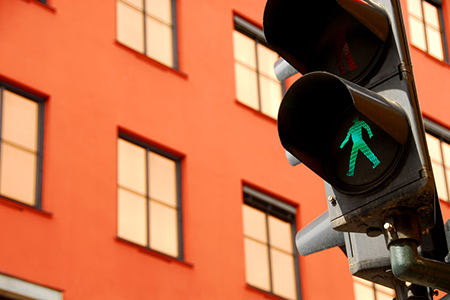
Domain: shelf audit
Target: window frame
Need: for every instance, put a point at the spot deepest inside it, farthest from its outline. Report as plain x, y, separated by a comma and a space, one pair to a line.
144, 33
438, 5
257, 35
280, 210
40, 139
180, 239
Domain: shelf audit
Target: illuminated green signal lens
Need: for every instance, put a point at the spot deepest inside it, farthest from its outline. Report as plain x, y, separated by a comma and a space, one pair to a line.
362, 154
355, 134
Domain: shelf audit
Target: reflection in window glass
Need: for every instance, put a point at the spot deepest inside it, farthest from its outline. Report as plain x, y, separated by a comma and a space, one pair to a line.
132, 218
425, 27
163, 228
257, 264
18, 174
148, 197
162, 179
19, 147
283, 273
269, 256
148, 27
280, 234
366, 290
256, 83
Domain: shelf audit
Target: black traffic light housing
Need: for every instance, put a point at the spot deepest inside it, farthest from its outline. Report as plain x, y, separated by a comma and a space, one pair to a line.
353, 118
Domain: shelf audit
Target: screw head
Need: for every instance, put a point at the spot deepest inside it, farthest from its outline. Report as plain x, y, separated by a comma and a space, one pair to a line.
388, 226
332, 200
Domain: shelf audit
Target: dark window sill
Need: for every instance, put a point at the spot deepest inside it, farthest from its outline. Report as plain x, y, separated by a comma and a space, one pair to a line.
265, 293
442, 62
44, 5
162, 256
25, 208
256, 112
152, 61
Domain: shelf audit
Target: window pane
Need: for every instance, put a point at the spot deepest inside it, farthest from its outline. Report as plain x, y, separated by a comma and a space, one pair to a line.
135, 3
283, 274
415, 7
162, 179
254, 223
266, 61
384, 293
163, 228
257, 264
246, 86
431, 15
435, 43
159, 41
446, 151
270, 96
434, 148
280, 234
244, 49
438, 171
18, 174
445, 198
160, 8
130, 27
417, 33
363, 289
131, 166
20, 120
132, 220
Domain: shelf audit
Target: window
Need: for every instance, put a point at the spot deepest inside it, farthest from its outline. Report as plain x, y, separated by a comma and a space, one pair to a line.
366, 290
438, 141
426, 30
149, 200
149, 27
271, 264
256, 83
440, 159
21, 139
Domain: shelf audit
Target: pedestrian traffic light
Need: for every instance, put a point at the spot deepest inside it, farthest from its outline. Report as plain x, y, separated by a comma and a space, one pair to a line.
353, 118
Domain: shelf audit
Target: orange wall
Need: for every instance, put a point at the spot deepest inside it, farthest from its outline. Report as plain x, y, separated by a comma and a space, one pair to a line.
95, 88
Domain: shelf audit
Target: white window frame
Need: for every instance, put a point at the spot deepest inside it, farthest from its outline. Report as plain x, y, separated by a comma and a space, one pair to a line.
19, 289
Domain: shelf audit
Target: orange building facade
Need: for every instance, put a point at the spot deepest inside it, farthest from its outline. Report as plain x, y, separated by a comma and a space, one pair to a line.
134, 164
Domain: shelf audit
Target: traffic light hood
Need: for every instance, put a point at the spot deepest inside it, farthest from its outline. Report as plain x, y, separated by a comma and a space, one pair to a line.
305, 33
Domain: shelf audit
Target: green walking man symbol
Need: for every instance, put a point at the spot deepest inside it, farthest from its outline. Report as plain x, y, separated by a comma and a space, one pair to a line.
355, 133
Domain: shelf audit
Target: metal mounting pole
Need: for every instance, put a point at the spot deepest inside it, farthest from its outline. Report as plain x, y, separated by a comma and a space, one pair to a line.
402, 238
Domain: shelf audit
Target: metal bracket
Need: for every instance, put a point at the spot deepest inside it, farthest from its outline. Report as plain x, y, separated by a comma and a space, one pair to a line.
402, 233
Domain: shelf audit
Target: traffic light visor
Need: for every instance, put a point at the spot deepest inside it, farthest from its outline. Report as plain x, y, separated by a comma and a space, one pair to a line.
346, 37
